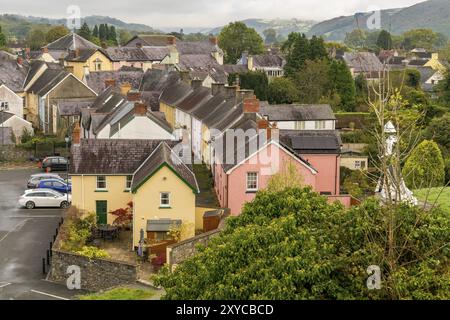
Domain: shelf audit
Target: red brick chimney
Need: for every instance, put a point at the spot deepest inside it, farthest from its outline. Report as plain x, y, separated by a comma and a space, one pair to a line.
140, 109
271, 130
214, 40
110, 83
19, 60
133, 95
251, 105
76, 134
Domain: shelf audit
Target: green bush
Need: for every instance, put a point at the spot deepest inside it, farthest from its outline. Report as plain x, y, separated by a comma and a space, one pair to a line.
93, 252
76, 230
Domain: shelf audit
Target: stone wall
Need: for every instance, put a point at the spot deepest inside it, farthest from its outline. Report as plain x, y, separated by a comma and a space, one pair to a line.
11, 153
183, 250
96, 274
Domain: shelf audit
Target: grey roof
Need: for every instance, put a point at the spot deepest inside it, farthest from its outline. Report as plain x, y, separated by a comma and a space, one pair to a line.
425, 73
363, 61
81, 55
71, 41
235, 68
152, 40
197, 47
151, 99
5, 116
73, 108
158, 80
297, 112
417, 62
194, 99
35, 66
111, 156
11, 73
163, 154
312, 141
269, 61
96, 80
162, 225
156, 53
125, 54
202, 65
47, 81
175, 93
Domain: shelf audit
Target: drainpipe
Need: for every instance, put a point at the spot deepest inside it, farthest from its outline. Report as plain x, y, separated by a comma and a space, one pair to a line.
82, 191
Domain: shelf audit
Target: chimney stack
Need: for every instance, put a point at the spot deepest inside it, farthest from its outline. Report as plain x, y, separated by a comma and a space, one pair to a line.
185, 76
272, 131
125, 88
217, 88
19, 60
214, 41
45, 50
133, 95
171, 40
251, 105
110, 83
140, 109
76, 134
230, 92
196, 83
245, 94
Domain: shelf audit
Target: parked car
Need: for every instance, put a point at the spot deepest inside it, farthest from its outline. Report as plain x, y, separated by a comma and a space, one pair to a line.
54, 164
55, 184
44, 198
36, 178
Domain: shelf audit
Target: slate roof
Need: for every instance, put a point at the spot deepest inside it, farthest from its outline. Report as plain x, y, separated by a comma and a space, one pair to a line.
162, 225
158, 80
194, 99
163, 154
175, 93
297, 112
71, 41
417, 62
47, 81
363, 61
425, 73
83, 55
151, 99
268, 61
35, 66
73, 108
153, 40
312, 141
5, 116
197, 47
235, 68
202, 65
96, 80
156, 53
125, 54
111, 156
11, 73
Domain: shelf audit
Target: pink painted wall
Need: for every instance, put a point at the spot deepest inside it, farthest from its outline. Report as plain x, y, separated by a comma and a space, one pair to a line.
232, 192
328, 166
346, 201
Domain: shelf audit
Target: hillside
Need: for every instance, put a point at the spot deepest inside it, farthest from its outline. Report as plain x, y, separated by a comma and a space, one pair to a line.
282, 26
432, 14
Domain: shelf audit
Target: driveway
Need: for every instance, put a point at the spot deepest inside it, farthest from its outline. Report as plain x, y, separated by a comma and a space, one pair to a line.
25, 236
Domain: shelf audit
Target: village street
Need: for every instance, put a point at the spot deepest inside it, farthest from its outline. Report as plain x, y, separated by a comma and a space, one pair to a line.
25, 236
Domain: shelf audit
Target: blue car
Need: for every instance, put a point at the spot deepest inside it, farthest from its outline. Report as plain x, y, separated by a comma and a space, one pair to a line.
55, 184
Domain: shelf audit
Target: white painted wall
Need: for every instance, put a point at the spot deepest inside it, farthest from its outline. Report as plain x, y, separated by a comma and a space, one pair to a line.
182, 119
15, 103
104, 133
306, 125
142, 128
197, 138
18, 125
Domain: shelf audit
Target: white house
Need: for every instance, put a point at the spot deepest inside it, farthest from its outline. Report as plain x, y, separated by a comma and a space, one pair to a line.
16, 123
10, 101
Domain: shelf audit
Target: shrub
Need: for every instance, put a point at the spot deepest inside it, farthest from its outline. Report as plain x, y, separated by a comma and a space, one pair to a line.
93, 252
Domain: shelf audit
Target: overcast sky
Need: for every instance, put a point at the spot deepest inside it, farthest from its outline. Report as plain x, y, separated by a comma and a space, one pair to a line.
199, 13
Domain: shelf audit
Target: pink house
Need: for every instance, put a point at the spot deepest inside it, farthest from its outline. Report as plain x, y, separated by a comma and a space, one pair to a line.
237, 181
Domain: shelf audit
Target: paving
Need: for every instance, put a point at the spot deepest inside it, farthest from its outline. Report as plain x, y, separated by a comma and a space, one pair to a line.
25, 236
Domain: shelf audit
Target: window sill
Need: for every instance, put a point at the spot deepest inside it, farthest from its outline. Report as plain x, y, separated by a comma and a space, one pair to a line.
98, 190
165, 207
127, 190
251, 191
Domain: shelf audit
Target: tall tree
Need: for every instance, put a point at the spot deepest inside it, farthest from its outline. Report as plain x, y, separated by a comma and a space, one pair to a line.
55, 33
313, 81
237, 38
95, 31
384, 40
270, 36
112, 35
297, 52
282, 91
36, 39
342, 84
85, 32
2, 38
103, 31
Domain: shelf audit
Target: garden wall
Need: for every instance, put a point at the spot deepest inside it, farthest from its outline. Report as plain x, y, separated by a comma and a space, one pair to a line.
96, 274
11, 153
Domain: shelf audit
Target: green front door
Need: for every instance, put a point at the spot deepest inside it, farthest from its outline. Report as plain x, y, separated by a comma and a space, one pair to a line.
102, 212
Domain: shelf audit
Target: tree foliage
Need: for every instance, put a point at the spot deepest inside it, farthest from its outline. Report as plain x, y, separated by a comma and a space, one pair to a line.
292, 244
2, 38
256, 81
85, 32
55, 33
282, 91
236, 38
384, 40
425, 167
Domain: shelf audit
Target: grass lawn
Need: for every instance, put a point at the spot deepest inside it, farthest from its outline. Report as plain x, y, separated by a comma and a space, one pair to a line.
444, 197
120, 294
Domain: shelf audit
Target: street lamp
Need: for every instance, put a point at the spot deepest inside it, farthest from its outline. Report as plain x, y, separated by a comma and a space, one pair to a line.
67, 139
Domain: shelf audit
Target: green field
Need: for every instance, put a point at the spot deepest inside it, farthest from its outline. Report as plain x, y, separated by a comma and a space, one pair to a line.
444, 197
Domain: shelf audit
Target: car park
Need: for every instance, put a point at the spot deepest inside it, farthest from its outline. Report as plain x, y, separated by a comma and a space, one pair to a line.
55, 184
44, 198
54, 164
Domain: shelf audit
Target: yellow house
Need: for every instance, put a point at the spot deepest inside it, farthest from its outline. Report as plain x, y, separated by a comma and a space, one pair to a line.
83, 61
110, 174
435, 64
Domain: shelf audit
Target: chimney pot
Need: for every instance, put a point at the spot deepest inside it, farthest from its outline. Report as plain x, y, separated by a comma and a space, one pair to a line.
110, 83
140, 109
251, 105
214, 40
196, 83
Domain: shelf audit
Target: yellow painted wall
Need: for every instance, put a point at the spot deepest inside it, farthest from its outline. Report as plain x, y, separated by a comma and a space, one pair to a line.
85, 198
146, 203
435, 64
349, 162
206, 147
31, 108
78, 67
169, 112
199, 212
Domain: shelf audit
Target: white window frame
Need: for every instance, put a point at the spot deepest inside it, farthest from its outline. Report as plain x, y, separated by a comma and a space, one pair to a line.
97, 182
4, 106
169, 197
256, 181
128, 181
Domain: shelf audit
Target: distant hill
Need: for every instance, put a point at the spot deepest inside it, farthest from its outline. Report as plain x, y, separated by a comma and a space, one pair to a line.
282, 26
431, 14
18, 26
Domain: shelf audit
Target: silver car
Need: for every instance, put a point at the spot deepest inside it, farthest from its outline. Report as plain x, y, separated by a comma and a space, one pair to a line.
44, 198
